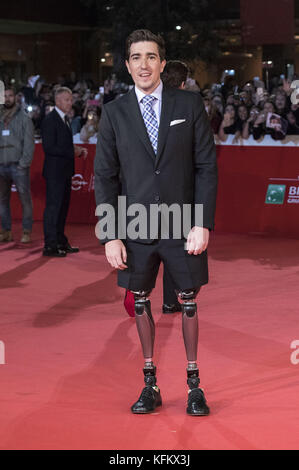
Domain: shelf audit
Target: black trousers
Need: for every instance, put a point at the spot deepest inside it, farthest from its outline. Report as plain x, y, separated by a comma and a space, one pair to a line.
58, 195
143, 261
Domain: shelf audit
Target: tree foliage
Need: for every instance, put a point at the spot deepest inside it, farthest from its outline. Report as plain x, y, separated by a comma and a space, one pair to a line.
195, 39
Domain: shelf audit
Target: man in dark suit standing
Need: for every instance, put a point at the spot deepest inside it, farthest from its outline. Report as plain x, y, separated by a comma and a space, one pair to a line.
58, 170
174, 75
155, 146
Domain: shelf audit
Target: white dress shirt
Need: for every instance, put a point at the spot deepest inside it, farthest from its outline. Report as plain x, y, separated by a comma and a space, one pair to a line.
157, 93
61, 113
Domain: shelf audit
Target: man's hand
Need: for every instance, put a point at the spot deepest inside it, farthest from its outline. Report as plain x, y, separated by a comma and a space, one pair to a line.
197, 240
116, 254
80, 151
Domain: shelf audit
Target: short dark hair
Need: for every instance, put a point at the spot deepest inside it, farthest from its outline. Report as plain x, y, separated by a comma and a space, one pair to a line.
175, 72
141, 35
11, 88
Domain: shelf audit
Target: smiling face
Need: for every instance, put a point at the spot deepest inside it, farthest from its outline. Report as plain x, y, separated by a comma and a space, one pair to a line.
242, 113
145, 65
280, 101
230, 110
269, 107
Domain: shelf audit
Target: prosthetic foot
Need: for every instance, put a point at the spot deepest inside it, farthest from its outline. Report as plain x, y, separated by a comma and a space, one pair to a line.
150, 396
197, 405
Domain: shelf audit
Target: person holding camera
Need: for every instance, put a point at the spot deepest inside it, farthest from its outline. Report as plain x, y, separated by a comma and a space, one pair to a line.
230, 124
249, 123
90, 128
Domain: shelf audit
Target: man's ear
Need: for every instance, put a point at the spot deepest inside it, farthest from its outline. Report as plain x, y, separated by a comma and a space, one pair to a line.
128, 67
163, 63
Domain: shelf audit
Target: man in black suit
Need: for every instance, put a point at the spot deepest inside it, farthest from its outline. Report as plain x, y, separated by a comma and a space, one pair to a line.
58, 170
155, 146
174, 75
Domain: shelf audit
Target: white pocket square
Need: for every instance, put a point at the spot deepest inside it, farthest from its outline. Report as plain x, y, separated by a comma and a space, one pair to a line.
177, 121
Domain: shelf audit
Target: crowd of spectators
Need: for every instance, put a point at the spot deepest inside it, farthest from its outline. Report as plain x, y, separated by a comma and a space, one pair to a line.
37, 99
252, 110
243, 111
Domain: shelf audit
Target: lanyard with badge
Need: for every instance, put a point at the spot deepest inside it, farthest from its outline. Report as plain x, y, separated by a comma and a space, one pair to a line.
5, 132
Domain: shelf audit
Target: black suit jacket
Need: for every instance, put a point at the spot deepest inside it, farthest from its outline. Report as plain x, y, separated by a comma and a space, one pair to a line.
58, 146
184, 170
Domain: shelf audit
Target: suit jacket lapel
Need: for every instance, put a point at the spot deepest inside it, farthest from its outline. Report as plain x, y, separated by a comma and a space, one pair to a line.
62, 122
137, 122
168, 101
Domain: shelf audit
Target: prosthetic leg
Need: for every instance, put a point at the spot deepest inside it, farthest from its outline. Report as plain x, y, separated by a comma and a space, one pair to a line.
197, 405
150, 396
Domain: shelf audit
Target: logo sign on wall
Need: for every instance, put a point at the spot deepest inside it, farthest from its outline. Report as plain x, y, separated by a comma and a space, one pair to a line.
78, 182
293, 195
275, 194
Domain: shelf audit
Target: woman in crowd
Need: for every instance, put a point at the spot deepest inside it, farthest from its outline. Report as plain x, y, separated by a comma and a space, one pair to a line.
281, 104
90, 129
217, 100
242, 115
248, 125
293, 128
75, 120
260, 127
245, 98
230, 124
214, 115
241, 118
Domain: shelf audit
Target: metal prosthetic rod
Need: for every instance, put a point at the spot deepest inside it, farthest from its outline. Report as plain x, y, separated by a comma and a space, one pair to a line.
193, 379
190, 322
145, 323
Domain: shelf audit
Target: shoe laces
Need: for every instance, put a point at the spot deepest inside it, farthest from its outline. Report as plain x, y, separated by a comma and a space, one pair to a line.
197, 393
147, 393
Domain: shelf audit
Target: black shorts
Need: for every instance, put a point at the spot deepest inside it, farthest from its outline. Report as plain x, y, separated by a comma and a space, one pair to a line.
187, 271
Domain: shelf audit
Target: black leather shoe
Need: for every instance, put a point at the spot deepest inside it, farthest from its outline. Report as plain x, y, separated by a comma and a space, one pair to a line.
54, 252
197, 405
148, 401
171, 308
68, 248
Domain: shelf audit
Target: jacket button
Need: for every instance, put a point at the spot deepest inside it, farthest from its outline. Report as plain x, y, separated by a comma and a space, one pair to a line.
157, 198
157, 172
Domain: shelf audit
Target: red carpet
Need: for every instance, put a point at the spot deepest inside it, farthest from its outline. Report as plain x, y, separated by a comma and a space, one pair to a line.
73, 360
